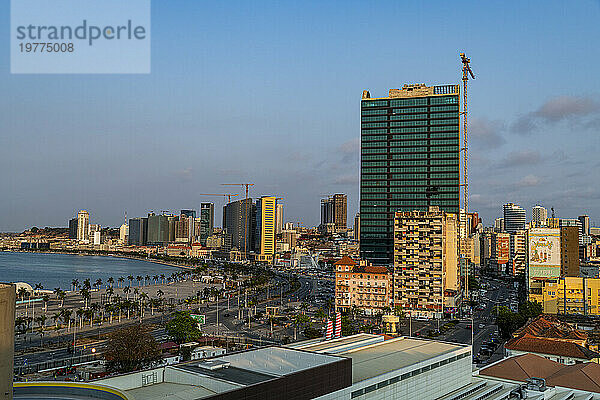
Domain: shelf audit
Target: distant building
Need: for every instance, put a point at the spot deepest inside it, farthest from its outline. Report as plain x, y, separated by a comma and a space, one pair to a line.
238, 221
188, 213
366, 287
207, 221
83, 224
158, 229
409, 160
499, 225
569, 295
138, 232
515, 218
265, 226
500, 252
585, 224
357, 227
124, 233
539, 217
279, 219
569, 250
426, 271
543, 258
334, 210
73, 228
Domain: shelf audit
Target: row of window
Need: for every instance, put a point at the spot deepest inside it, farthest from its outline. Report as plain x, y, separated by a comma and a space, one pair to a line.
419, 101
396, 194
407, 136
410, 110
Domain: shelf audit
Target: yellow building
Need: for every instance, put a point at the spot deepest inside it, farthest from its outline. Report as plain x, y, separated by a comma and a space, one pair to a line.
265, 227
426, 273
573, 294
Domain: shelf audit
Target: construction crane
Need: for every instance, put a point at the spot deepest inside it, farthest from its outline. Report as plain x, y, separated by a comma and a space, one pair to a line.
228, 195
247, 186
466, 72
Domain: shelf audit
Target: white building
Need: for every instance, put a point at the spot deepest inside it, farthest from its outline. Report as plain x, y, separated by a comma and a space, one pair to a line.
124, 233
83, 226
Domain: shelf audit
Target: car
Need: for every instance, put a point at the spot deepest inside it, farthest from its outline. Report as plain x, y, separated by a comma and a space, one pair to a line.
481, 326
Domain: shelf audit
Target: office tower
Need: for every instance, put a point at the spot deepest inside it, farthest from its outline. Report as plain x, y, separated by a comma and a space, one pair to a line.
409, 160
73, 228
326, 211
188, 213
123, 233
569, 250
585, 223
426, 276
7, 339
539, 217
83, 223
138, 231
238, 221
207, 221
340, 211
357, 227
265, 226
158, 229
279, 223
499, 225
514, 218
182, 229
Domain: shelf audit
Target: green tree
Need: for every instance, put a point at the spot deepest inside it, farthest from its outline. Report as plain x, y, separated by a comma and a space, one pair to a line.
131, 348
183, 328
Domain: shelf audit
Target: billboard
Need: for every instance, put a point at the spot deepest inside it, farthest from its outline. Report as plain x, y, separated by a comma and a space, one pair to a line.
544, 253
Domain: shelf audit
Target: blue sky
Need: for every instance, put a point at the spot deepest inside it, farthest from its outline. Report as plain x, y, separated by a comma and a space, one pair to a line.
269, 93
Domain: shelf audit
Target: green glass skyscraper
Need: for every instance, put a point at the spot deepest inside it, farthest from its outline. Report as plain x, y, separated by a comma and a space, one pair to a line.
409, 160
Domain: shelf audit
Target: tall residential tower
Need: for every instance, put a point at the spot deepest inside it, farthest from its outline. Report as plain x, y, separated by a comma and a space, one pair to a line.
409, 160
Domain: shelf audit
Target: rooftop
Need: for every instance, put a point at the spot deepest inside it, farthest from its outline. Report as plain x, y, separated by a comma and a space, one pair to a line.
550, 346
547, 326
583, 376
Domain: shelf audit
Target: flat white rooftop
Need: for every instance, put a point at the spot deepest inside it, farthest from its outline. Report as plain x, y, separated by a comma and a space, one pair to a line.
395, 354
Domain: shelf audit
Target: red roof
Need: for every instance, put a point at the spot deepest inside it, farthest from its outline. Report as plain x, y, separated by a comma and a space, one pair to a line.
346, 261
550, 327
555, 347
376, 269
583, 376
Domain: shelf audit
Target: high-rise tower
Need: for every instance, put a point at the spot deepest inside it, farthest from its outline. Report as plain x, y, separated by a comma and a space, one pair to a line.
409, 160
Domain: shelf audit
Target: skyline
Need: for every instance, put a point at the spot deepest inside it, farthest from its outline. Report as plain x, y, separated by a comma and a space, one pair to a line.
116, 143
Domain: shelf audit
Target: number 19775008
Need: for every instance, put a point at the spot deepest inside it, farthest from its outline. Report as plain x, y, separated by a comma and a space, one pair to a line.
46, 47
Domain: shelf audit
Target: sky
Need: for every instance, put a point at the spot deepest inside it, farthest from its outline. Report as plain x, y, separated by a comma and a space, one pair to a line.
269, 93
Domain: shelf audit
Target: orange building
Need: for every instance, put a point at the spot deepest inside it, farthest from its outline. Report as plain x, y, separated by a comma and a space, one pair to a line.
366, 287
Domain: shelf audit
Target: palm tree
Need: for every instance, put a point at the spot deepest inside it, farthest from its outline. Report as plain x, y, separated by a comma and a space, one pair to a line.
146, 278
61, 295
162, 278
110, 281
87, 284
120, 280
109, 292
41, 320
139, 279
75, 283
38, 287
98, 283
55, 317
45, 299
127, 290
143, 297
22, 292
136, 291
79, 314
155, 279
56, 292
130, 279
66, 316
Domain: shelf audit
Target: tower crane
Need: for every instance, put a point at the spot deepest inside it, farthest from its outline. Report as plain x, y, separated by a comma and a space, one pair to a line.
247, 186
228, 195
466, 73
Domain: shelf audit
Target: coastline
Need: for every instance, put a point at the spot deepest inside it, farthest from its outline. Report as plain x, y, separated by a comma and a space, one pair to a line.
88, 254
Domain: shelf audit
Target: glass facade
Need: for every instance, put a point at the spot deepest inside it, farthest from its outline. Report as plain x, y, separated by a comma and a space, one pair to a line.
409, 161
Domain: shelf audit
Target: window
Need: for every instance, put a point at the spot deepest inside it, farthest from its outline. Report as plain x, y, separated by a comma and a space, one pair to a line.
442, 115
377, 124
408, 123
374, 103
371, 119
443, 121
444, 100
373, 137
380, 157
373, 131
407, 116
375, 112
409, 102
408, 130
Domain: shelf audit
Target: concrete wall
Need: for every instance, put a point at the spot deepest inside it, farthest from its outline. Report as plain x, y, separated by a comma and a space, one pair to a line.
7, 339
